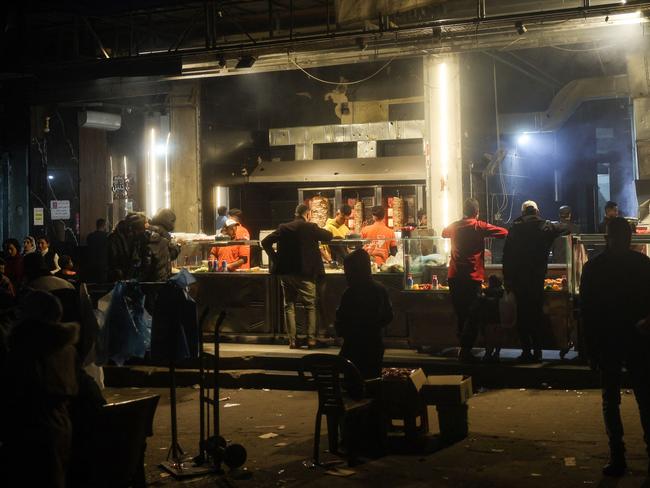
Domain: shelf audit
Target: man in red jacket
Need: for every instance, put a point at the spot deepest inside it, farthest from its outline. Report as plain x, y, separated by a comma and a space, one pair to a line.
466, 269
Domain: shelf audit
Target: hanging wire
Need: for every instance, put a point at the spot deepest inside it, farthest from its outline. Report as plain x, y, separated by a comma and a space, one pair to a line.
327, 82
587, 50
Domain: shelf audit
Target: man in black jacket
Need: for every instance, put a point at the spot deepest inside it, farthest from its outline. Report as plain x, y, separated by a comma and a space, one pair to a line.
525, 262
125, 246
611, 212
160, 249
298, 262
97, 254
615, 304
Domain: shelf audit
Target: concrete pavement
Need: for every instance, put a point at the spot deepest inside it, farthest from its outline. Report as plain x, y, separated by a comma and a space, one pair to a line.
536, 438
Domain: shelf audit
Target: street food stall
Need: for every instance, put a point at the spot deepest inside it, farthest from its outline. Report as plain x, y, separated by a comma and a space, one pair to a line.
416, 279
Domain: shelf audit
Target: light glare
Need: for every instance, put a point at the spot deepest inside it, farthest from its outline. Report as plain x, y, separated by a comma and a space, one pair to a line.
523, 139
443, 141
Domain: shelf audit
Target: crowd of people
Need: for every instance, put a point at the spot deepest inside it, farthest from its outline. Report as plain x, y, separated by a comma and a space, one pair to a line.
51, 400
42, 359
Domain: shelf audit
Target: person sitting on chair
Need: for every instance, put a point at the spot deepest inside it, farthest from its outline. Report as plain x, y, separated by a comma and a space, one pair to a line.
364, 310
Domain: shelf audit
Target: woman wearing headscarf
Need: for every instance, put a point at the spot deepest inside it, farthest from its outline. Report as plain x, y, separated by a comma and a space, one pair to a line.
364, 310
29, 245
13, 262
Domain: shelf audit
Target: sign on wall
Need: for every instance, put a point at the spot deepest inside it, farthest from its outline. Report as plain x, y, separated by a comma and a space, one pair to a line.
38, 216
60, 209
121, 187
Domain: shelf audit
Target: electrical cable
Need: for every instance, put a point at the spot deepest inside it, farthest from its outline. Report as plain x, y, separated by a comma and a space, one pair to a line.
327, 82
591, 49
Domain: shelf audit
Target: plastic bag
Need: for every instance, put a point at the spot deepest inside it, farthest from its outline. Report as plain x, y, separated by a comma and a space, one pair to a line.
126, 330
508, 310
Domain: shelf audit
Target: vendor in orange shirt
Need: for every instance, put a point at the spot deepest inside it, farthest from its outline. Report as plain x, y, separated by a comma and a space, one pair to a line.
383, 244
236, 257
241, 232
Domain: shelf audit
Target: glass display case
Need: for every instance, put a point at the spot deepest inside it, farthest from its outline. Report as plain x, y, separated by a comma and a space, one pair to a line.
195, 255
425, 262
586, 246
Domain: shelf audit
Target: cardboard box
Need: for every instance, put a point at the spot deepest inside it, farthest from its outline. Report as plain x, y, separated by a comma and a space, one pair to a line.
446, 390
403, 394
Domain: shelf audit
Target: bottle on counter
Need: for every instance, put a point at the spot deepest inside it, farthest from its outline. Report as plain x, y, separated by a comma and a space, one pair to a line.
409, 281
434, 282
224, 266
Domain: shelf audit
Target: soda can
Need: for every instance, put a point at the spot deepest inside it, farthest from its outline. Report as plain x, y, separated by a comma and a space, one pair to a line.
224, 265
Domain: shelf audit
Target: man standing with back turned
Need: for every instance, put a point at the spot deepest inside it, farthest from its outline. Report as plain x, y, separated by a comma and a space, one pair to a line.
525, 263
615, 303
466, 268
298, 262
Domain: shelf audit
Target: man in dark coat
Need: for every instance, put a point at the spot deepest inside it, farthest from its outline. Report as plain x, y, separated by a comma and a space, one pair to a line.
97, 254
611, 212
615, 304
525, 263
125, 247
299, 264
160, 248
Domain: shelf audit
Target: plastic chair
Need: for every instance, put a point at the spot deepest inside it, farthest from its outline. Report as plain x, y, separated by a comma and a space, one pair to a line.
328, 371
119, 443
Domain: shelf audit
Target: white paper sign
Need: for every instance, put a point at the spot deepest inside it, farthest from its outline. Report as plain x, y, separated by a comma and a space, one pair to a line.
38, 216
60, 209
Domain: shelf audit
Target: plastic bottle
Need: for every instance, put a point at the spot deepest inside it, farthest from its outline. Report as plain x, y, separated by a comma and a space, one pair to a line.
409, 281
224, 265
434, 282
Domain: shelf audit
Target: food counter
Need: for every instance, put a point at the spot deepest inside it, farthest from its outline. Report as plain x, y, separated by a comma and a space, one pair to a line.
424, 316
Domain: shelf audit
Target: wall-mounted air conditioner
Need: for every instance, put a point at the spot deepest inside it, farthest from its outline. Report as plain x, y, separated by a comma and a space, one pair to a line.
100, 120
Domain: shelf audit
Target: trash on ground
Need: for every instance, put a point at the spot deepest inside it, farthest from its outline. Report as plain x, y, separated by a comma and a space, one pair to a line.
281, 444
281, 471
229, 405
266, 389
281, 427
535, 475
269, 435
224, 399
342, 472
309, 464
570, 461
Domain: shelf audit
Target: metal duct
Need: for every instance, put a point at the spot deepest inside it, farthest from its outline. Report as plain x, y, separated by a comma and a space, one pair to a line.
365, 135
565, 103
403, 168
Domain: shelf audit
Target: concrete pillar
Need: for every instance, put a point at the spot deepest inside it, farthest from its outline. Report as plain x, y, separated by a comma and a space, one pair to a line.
185, 156
94, 184
442, 140
638, 65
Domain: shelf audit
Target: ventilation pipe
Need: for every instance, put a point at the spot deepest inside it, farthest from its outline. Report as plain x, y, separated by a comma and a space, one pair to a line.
565, 103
